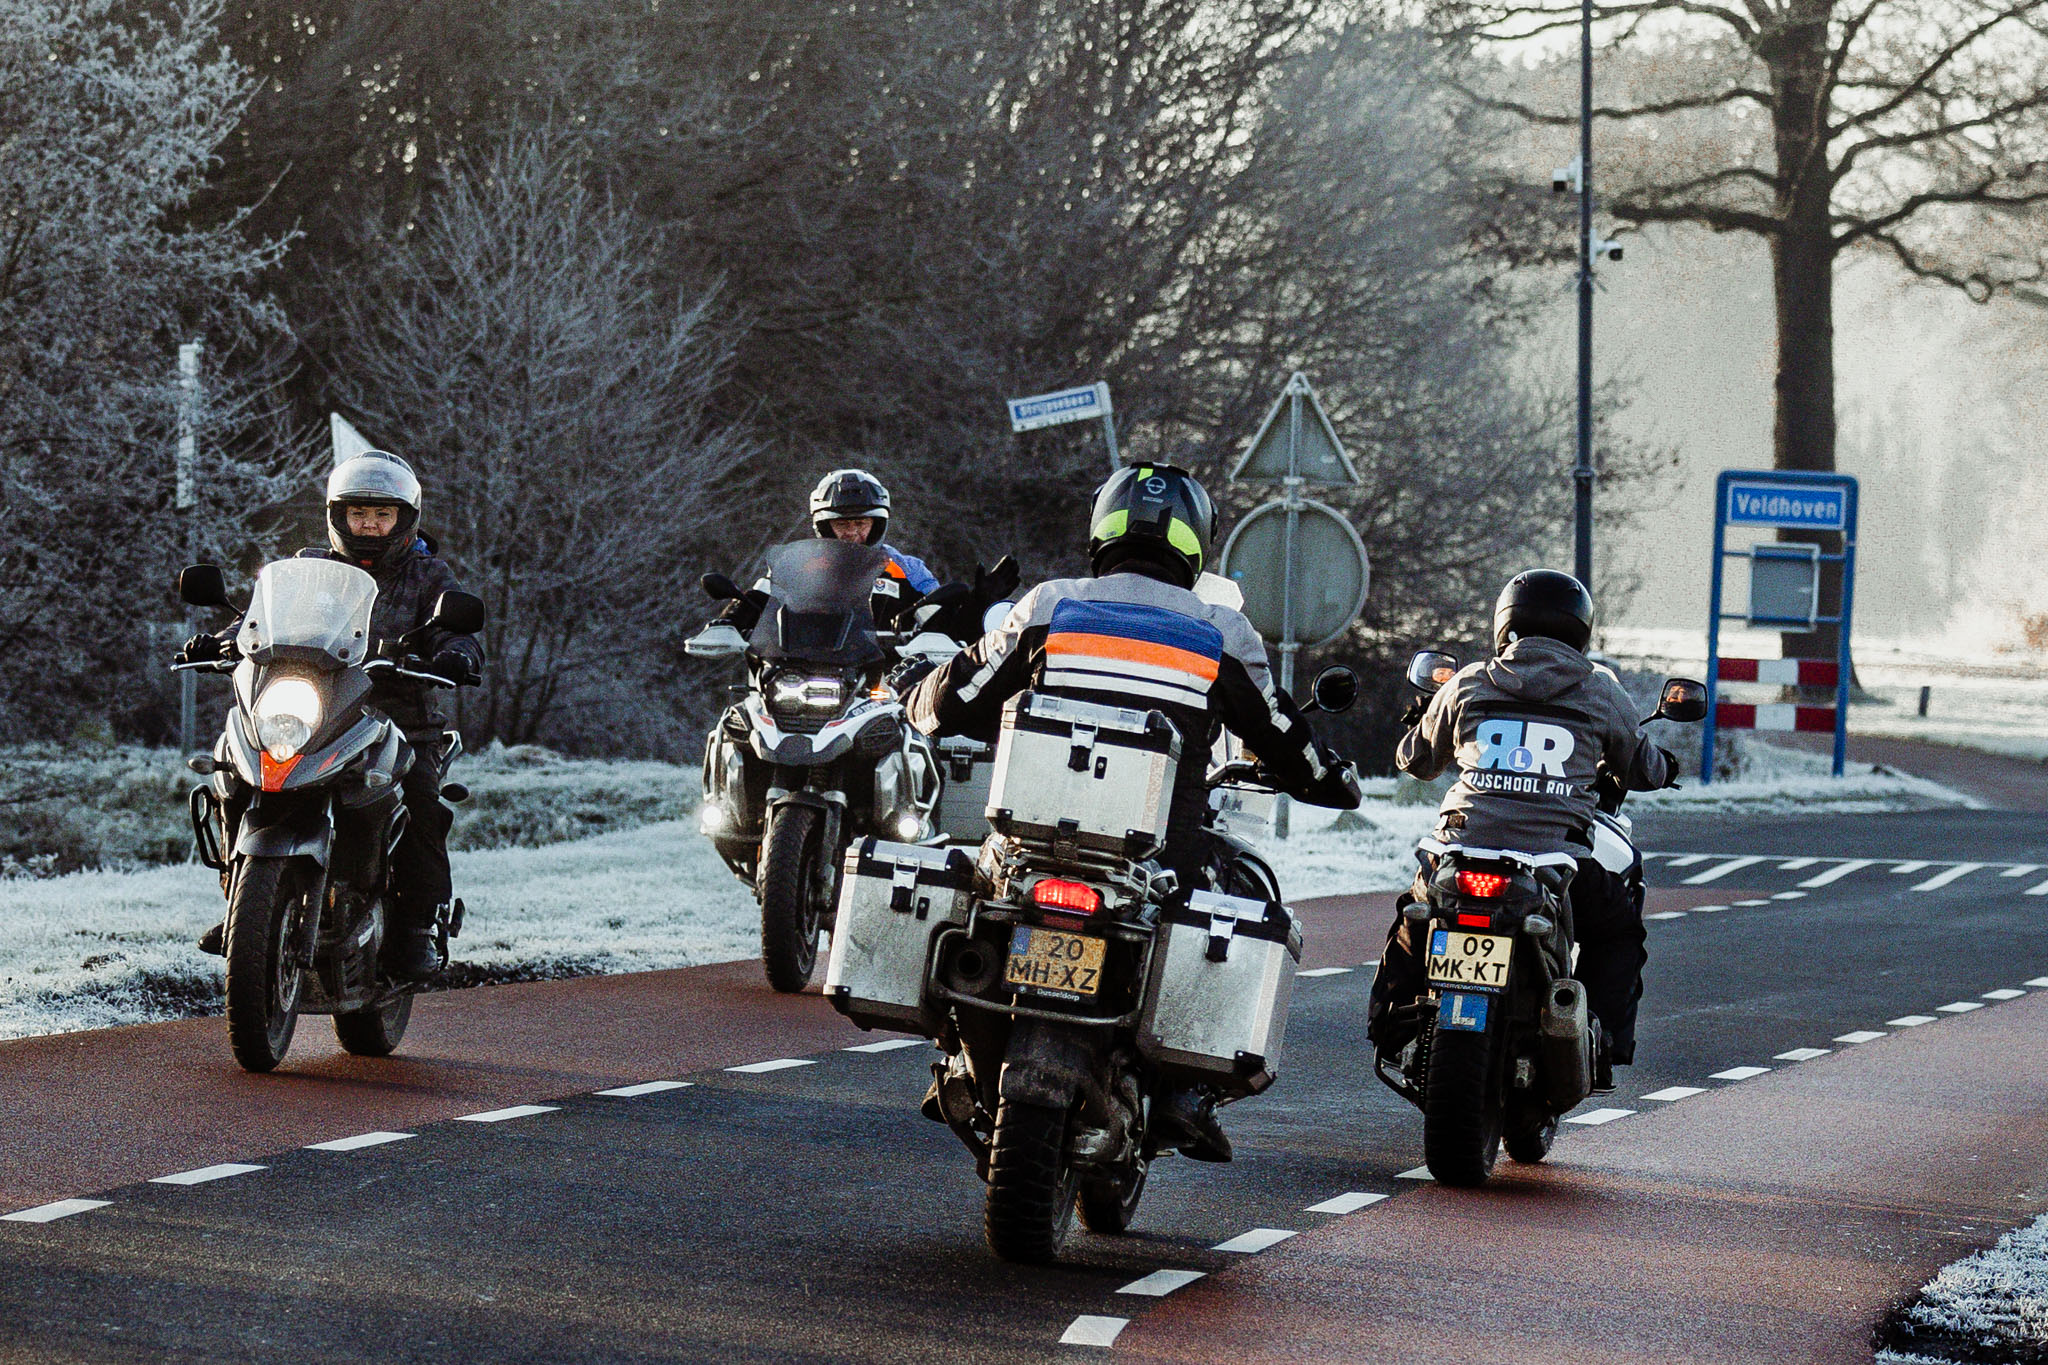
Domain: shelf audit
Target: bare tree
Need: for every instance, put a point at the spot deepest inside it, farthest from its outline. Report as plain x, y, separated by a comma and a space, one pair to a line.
554, 401
1912, 127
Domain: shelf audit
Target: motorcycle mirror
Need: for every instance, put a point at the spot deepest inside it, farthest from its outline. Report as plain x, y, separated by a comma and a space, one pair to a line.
720, 588
1334, 690
1682, 700
459, 612
1431, 669
202, 585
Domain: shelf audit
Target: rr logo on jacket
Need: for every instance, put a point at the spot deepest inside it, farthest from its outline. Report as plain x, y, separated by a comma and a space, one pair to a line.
1521, 757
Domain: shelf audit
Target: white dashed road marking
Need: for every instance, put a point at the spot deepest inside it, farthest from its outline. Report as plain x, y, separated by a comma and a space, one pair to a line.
1910, 866
634, 1092
1674, 1092
1910, 1020
1941, 879
1093, 1330
1160, 1283
887, 1045
1765, 901
1789, 896
779, 1064
1345, 1203
1802, 1054
2041, 890
358, 1142
1688, 859
2003, 995
1324, 971
1795, 864
1599, 1116
1738, 1073
517, 1111
206, 1173
2036, 982
1418, 1173
1258, 1239
50, 1213
1666, 914
1960, 1006
2021, 870
1715, 873
1862, 1035
1708, 909
1836, 873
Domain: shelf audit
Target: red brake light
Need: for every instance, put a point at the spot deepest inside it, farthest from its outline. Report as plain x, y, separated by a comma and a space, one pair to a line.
1482, 883
1054, 894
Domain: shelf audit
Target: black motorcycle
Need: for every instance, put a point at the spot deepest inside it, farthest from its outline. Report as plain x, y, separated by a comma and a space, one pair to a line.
304, 806
1505, 1046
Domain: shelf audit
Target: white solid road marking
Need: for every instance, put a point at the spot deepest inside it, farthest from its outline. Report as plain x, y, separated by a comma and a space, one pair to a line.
1738, 1073
1091, 1329
1160, 1283
1862, 1035
634, 1092
1599, 1116
1324, 971
1910, 1020
1715, 873
1688, 859
1674, 1092
2003, 995
206, 1173
50, 1213
1666, 914
517, 1111
779, 1064
1912, 866
1258, 1239
1418, 1173
358, 1142
1345, 1203
1789, 896
1836, 873
1960, 1006
1796, 863
2020, 869
1802, 1054
1941, 879
887, 1045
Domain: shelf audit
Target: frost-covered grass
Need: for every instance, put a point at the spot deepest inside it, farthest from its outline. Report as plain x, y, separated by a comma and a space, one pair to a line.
95, 949
1988, 1307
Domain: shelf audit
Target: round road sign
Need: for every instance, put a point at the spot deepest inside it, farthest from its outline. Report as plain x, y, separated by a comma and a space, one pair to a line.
1331, 571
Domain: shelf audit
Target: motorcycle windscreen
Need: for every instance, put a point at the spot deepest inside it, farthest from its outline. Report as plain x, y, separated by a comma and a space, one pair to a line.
312, 609
821, 603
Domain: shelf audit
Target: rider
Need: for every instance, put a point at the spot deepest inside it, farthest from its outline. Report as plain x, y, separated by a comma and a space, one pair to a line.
373, 514
1532, 730
1136, 633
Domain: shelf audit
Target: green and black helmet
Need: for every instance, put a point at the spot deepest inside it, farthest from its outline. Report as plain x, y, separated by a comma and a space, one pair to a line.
1156, 513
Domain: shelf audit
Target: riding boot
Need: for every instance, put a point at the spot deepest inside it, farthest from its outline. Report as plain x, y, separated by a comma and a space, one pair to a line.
1190, 1116
215, 940
410, 952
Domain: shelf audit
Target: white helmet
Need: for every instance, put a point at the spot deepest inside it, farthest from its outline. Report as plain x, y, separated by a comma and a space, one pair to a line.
375, 478
846, 493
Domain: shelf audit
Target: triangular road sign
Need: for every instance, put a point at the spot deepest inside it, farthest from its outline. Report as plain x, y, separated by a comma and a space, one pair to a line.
1319, 457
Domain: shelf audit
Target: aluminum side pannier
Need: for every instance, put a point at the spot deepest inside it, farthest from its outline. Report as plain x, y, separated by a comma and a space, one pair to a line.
893, 899
1078, 774
966, 765
1222, 979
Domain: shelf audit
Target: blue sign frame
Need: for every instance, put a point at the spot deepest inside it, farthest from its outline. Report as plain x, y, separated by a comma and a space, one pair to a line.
1807, 500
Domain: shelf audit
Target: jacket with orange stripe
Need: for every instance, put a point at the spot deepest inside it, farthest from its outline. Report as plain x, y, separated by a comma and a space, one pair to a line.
1129, 639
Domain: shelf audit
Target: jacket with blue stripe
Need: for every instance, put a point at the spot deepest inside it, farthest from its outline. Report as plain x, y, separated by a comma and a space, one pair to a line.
1128, 639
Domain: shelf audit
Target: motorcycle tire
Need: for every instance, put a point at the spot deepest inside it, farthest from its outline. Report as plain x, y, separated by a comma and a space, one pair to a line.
789, 910
1530, 1134
263, 982
1109, 1204
1461, 1109
1031, 1188
374, 1032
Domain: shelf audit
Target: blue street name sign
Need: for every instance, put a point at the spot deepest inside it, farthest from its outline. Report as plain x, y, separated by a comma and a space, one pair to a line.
1052, 409
1769, 502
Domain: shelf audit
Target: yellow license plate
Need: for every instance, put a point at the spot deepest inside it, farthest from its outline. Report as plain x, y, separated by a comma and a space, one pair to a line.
1048, 960
1458, 957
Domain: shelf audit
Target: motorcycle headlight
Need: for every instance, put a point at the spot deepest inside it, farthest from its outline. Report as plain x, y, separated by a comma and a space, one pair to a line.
799, 692
287, 714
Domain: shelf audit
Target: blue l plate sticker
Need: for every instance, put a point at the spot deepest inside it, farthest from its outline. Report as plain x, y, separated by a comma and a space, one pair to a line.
1460, 1011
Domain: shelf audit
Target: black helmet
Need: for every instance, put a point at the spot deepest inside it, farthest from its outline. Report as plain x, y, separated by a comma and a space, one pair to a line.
1544, 602
1157, 513
375, 478
848, 493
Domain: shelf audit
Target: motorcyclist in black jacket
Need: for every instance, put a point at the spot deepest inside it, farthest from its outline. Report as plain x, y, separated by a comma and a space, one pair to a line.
373, 515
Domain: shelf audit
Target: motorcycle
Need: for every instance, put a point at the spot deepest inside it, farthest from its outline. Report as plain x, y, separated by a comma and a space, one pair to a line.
1505, 1045
816, 752
1072, 983
304, 807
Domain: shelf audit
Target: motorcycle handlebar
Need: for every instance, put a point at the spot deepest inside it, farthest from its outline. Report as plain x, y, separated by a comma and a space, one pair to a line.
393, 667
204, 666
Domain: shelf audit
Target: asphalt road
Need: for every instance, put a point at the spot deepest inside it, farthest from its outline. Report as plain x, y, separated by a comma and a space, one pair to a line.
806, 1211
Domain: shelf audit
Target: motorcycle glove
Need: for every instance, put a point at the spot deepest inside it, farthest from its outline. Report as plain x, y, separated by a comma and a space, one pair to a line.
456, 666
1412, 716
203, 648
994, 585
1671, 765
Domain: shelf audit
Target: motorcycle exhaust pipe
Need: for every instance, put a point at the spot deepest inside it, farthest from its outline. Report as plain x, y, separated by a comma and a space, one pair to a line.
1565, 1035
970, 967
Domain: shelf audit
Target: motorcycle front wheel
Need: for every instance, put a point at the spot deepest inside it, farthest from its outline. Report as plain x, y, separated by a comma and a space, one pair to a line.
376, 1031
1461, 1110
789, 907
1110, 1203
1031, 1186
263, 980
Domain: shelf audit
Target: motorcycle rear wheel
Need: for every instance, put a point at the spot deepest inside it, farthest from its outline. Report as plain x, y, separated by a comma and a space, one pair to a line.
263, 981
789, 909
1461, 1111
1031, 1187
374, 1032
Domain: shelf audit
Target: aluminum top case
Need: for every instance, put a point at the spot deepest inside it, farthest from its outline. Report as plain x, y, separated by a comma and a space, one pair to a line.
893, 900
1222, 980
1081, 774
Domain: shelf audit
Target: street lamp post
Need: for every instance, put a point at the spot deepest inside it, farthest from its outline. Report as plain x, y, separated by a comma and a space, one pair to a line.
1582, 471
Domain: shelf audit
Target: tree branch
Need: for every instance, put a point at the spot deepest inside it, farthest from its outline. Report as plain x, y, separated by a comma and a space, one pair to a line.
1925, 77
1677, 106
1983, 192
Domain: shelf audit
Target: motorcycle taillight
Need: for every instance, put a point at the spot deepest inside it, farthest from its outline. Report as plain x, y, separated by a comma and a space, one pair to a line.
1074, 897
1484, 884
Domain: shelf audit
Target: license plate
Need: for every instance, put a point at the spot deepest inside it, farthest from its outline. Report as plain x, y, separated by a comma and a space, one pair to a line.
1466, 1013
1458, 957
1048, 960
